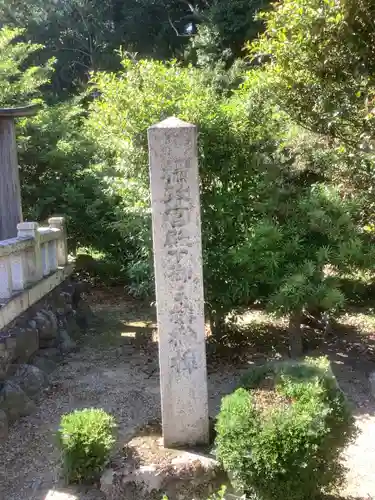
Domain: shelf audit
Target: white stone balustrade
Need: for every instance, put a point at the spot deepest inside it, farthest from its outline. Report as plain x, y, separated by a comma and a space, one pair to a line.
35, 253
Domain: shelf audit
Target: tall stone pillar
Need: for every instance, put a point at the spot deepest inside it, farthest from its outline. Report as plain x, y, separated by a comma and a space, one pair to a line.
179, 282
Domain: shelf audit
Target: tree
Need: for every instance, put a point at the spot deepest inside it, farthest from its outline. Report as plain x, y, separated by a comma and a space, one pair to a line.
80, 34
225, 29
86, 35
237, 149
20, 83
297, 251
320, 61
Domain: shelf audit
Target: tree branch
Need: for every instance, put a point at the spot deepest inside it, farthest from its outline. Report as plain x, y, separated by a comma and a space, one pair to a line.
175, 29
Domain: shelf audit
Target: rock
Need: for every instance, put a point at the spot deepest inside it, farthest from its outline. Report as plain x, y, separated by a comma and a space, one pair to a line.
44, 363
31, 379
52, 353
63, 302
84, 315
27, 343
372, 383
47, 330
177, 474
71, 325
66, 343
3, 426
7, 355
51, 316
14, 402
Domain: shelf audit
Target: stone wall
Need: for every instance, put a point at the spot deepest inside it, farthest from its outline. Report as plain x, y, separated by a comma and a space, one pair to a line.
32, 346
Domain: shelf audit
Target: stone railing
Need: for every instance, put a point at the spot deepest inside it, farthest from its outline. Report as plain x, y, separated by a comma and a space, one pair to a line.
34, 254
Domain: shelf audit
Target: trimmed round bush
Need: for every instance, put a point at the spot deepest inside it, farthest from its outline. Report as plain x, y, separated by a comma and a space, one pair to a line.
281, 435
86, 438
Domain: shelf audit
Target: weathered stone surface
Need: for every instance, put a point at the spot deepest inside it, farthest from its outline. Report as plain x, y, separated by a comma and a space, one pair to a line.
7, 354
84, 315
71, 325
43, 363
14, 402
39, 338
66, 343
53, 320
27, 343
47, 330
31, 379
3, 426
63, 302
372, 383
52, 353
186, 476
179, 281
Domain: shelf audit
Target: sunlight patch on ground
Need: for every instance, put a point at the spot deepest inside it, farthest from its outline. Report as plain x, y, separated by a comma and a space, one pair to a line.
59, 495
140, 324
364, 322
128, 334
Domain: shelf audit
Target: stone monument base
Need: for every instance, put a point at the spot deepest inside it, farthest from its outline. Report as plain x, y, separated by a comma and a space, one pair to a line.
146, 470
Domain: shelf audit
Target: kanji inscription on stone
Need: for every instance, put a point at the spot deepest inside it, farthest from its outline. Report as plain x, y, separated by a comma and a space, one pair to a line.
179, 281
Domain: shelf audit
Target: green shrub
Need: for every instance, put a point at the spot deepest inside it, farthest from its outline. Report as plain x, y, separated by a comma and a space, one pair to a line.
281, 435
237, 147
86, 438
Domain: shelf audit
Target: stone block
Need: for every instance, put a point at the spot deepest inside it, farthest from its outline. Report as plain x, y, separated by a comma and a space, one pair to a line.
31, 379
66, 343
44, 363
372, 383
15, 402
27, 343
52, 317
179, 475
52, 353
47, 330
3, 426
7, 355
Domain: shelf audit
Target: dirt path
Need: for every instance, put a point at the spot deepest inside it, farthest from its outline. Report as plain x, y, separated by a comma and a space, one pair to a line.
112, 372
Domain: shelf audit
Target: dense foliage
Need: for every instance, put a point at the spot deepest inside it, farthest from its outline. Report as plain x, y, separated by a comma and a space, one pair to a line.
319, 66
238, 160
20, 83
286, 444
86, 438
85, 35
285, 137
320, 57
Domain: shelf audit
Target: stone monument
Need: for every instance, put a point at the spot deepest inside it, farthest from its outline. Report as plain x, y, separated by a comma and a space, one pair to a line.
179, 282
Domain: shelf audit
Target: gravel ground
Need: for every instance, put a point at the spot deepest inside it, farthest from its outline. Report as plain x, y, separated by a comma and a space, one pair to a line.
111, 372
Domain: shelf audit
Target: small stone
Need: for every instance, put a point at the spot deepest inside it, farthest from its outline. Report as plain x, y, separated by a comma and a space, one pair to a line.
372, 383
52, 319
66, 343
185, 475
27, 344
3, 426
14, 402
47, 331
51, 353
84, 314
43, 363
31, 379
7, 356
